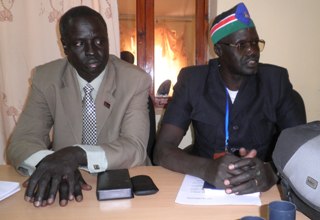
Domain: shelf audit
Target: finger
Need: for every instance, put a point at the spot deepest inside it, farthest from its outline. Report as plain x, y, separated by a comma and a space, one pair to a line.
86, 187
71, 183
242, 152
243, 174
233, 179
78, 192
63, 193
25, 183
44, 203
242, 178
243, 163
46, 195
55, 181
32, 184
236, 171
251, 154
43, 185
245, 188
83, 184
226, 160
78, 186
31, 188
32, 200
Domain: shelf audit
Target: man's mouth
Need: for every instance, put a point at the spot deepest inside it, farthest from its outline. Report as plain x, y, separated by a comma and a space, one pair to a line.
93, 64
252, 62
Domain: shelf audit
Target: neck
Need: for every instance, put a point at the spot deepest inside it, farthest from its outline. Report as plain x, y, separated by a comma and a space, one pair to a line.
232, 81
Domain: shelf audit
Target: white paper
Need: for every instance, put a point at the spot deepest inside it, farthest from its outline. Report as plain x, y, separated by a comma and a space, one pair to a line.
192, 193
8, 188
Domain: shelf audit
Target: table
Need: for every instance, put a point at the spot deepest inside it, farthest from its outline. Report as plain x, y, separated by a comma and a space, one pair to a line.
158, 206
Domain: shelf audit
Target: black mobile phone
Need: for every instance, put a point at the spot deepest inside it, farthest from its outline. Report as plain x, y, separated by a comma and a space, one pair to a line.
143, 185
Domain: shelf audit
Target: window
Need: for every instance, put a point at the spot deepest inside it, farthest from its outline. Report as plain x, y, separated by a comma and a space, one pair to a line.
164, 36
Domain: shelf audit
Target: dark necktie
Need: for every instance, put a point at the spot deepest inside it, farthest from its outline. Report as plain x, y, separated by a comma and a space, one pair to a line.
89, 127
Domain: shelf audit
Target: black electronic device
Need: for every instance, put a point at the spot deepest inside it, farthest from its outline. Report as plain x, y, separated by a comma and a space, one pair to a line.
143, 185
114, 184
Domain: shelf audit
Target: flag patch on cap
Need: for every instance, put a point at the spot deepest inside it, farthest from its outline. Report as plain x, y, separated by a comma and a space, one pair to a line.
229, 22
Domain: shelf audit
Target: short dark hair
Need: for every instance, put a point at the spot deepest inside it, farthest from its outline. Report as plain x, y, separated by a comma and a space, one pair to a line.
127, 56
79, 11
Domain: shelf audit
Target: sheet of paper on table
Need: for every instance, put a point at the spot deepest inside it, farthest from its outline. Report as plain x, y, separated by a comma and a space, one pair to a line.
8, 188
192, 193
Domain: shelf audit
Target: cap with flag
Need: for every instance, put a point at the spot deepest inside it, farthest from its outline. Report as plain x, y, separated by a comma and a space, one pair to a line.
230, 21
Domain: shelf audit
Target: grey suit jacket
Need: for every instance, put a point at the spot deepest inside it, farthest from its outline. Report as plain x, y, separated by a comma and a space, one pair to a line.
54, 104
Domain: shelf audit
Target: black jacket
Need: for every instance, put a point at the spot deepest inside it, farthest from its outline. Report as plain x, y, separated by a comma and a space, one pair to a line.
264, 106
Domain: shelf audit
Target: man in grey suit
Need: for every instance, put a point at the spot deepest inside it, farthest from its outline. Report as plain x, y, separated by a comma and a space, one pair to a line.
47, 142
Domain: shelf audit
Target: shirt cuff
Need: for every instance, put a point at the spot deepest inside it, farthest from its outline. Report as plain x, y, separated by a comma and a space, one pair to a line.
96, 158
28, 166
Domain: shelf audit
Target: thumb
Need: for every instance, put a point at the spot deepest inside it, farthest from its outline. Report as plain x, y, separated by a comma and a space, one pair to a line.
251, 154
25, 183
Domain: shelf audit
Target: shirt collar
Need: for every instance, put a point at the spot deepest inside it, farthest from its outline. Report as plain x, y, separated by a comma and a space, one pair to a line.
94, 83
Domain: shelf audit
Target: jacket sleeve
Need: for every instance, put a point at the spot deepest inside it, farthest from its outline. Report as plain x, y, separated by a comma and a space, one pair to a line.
289, 107
31, 133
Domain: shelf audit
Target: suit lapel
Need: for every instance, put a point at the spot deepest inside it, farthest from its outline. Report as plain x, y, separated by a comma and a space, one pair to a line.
245, 96
105, 99
215, 88
71, 102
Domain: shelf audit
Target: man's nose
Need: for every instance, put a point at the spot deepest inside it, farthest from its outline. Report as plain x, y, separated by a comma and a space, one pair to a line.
253, 47
89, 49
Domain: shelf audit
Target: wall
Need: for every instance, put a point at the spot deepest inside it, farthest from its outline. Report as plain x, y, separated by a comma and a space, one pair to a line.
291, 30
28, 38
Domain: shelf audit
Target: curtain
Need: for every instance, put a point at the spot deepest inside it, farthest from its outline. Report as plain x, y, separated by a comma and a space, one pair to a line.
29, 37
170, 54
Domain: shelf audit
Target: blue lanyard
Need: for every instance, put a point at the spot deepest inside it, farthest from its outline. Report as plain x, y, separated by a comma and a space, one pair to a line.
226, 122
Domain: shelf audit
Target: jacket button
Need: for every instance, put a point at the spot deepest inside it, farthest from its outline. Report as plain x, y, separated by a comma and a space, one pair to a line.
235, 127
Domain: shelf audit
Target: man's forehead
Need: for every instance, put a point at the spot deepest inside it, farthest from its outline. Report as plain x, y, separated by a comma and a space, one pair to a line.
85, 20
242, 35
85, 26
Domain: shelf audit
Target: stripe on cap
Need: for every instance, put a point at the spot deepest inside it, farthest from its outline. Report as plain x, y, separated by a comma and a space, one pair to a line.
231, 18
235, 19
228, 29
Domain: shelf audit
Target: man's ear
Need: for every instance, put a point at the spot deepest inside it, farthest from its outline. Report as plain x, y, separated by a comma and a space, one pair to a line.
217, 49
64, 45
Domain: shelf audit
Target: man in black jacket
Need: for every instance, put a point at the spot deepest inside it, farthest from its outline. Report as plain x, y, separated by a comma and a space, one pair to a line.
236, 106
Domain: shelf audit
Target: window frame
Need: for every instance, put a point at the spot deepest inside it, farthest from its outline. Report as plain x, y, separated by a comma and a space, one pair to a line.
145, 35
